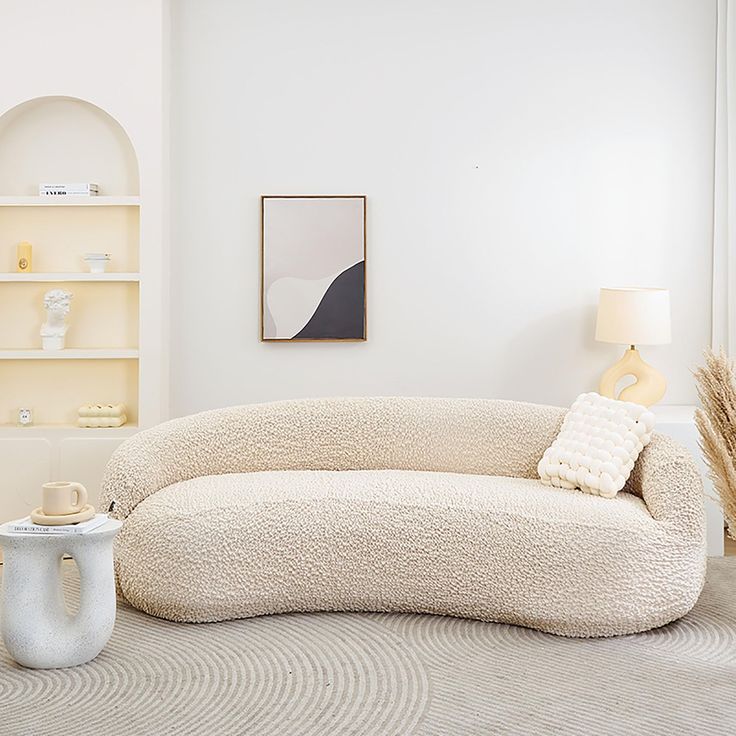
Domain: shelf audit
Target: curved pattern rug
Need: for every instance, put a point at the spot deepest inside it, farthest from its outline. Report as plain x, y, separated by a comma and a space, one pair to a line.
386, 674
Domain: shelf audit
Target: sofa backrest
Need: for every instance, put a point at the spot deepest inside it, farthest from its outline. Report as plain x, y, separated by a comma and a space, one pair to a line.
480, 436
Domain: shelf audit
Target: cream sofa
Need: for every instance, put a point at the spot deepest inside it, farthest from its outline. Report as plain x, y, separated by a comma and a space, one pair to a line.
398, 504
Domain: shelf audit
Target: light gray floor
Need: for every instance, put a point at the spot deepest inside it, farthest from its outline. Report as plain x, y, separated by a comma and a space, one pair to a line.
387, 674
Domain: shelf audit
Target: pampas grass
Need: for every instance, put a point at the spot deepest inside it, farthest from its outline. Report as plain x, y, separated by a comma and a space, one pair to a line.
716, 421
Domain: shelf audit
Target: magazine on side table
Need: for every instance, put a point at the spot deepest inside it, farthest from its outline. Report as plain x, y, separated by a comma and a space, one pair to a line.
26, 526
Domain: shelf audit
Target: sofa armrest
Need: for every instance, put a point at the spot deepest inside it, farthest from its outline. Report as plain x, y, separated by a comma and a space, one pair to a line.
666, 477
133, 472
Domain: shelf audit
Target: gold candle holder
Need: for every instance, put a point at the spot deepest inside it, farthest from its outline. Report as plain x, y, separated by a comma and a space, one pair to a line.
24, 258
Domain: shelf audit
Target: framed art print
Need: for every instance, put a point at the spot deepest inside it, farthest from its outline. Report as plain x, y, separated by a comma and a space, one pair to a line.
313, 268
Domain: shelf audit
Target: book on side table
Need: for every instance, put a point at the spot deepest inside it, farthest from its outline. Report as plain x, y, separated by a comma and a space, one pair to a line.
26, 526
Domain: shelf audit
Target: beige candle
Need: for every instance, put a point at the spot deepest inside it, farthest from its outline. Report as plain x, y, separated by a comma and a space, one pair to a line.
24, 257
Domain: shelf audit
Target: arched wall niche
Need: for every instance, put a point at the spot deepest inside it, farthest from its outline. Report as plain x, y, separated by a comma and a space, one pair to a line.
64, 139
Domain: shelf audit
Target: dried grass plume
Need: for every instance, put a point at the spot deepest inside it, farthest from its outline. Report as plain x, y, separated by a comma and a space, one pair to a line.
716, 421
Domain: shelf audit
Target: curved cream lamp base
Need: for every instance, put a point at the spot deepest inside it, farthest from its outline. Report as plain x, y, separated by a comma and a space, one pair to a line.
650, 383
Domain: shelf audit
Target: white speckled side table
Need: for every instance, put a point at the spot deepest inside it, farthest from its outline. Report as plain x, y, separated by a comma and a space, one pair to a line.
36, 627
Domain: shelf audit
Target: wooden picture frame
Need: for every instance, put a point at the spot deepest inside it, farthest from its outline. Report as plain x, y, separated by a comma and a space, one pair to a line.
313, 268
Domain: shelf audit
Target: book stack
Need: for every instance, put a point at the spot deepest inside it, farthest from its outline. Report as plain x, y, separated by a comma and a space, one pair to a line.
26, 526
68, 190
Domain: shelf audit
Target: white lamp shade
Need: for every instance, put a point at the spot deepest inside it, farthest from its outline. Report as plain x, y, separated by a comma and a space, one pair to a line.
634, 316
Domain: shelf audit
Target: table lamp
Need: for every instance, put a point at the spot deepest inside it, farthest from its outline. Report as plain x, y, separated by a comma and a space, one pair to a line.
634, 316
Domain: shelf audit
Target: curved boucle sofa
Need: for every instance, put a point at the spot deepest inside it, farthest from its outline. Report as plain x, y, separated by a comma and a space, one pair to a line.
398, 504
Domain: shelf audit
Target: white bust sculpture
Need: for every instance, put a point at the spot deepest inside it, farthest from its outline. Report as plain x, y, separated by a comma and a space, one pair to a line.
57, 303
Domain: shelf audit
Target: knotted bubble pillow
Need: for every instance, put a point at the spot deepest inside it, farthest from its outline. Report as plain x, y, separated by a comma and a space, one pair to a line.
597, 446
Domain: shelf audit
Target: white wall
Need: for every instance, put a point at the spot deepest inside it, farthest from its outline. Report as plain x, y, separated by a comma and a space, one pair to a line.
516, 156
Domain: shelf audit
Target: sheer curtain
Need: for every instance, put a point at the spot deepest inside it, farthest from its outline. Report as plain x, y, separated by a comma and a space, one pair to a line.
723, 330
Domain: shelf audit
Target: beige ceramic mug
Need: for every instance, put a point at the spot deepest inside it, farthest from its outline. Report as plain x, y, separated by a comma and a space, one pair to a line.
63, 497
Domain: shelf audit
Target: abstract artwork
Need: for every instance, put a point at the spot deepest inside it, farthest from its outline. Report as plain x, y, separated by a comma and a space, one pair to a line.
313, 268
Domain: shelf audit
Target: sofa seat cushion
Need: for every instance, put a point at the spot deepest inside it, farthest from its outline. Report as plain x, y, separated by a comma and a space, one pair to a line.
487, 547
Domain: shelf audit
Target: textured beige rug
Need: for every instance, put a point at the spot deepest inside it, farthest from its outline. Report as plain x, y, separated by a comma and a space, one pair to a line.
387, 674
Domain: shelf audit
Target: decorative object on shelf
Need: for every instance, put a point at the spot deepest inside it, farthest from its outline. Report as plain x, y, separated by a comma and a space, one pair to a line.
36, 627
313, 268
25, 417
97, 262
69, 190
102, 415
597, 445
24, 257
716, 421
57, 303
634, 316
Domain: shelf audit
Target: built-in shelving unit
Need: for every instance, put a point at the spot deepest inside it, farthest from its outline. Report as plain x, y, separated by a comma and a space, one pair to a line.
115, 348
101, 362
22, 278
98, 201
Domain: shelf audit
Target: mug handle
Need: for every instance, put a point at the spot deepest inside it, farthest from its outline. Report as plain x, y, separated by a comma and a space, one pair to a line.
81, 494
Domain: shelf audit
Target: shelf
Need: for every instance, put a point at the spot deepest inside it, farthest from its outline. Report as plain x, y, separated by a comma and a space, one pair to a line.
127, 430
71, 354
23, 278
129, 201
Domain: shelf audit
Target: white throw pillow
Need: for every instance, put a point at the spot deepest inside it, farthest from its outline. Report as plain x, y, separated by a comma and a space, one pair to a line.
597, 446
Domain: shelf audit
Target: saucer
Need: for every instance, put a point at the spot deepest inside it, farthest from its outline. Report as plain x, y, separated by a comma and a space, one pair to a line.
38, 517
